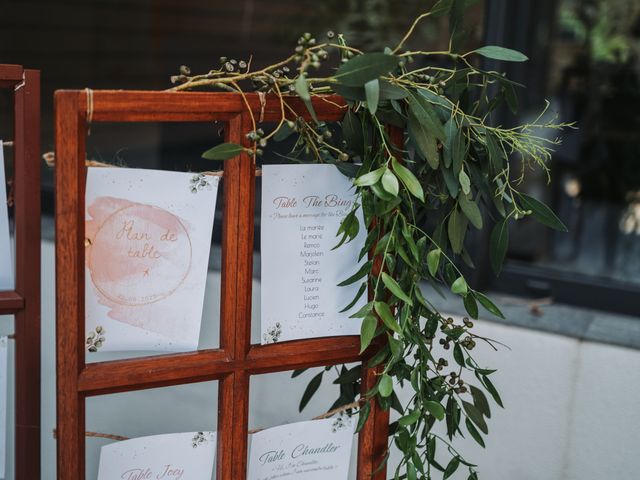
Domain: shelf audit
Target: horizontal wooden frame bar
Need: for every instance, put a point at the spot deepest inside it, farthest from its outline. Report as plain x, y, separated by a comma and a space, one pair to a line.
155, 371
10, 75
170, 106
10, 302
160, 370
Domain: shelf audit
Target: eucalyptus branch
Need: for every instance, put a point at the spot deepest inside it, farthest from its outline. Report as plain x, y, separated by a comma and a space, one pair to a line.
419, 200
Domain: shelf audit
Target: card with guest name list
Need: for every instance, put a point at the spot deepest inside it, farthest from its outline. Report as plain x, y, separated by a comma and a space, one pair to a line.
313, 450
148, 237
175, 456
302, 208
6, 260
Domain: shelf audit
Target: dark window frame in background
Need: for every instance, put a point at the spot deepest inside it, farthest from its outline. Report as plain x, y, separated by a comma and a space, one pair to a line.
528, 26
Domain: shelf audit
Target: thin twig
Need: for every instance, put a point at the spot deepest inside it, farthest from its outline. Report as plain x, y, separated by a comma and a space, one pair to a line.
50, 160
410, 31
331, 413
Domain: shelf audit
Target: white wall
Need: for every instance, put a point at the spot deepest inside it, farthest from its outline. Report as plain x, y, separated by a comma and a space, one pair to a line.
572, 408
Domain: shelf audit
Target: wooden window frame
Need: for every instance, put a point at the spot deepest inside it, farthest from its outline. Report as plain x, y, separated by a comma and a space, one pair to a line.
24, 301
236, 359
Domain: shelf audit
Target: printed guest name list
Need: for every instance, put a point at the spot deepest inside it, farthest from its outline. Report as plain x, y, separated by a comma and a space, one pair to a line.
302, 207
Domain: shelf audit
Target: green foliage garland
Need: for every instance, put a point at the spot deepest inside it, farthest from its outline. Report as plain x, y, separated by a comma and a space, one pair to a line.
419, 201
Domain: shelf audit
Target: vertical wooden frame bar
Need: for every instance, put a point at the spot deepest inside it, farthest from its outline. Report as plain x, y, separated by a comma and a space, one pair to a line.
27, 231
24, 301
243, 305
70, 176
236, 359
228, 311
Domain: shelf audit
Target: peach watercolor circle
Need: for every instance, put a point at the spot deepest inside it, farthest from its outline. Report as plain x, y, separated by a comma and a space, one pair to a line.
126, 279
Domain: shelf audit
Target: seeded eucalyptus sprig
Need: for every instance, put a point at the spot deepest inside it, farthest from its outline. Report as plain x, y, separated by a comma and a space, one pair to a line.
452, 174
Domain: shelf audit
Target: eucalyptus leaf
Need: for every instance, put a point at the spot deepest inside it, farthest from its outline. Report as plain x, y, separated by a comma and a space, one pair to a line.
224, 151
372, 93
411, 418
465, 182
411, 472
363, 68
458, 151
471, 306
365, 411
385, 386
310, 391
426, 116
387, 317
424, 139
475, 416
389, 91
361, 273
451, 467
408, 179
501, 53
350, 93
495, 152
433, 261
284, 132
488, 304
369, 178
541, 212
474, 433
480, 401
457, 229
498, 243
435, 99
297, 373
451, 130
349, 170
395, 288
493, 391
302, 89
458, 356
435, 409
390, 183
367, 331
459, 286
352, 132
471, 211
451, 181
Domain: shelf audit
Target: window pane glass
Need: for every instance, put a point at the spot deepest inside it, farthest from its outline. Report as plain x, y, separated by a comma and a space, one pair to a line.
593, 78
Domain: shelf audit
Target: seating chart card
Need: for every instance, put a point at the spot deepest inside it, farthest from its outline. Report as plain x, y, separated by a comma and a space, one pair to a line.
148, 237
314, 450
6, 260
175, 456
302, 207
3, 404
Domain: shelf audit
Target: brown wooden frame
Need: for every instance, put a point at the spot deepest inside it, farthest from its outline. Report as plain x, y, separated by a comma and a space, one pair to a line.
236, 359
24, 301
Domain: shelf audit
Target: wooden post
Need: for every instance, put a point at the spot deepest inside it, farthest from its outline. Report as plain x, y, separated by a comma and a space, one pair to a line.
24, 301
